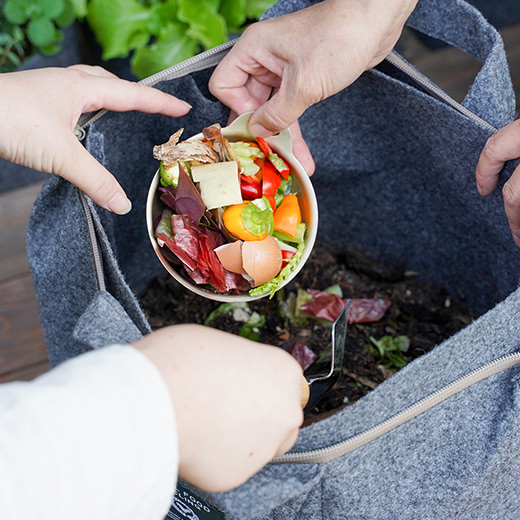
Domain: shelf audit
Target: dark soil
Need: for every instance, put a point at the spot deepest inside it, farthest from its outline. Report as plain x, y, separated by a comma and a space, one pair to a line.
425, 313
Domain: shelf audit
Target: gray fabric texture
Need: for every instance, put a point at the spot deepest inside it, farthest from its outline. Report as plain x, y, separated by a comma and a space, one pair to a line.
105, 308
395, 176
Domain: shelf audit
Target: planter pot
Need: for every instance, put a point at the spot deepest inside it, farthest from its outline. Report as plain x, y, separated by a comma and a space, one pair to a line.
13, 176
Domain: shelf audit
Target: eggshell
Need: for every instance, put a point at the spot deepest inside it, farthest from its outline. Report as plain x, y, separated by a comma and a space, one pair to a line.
230, 256
261, 259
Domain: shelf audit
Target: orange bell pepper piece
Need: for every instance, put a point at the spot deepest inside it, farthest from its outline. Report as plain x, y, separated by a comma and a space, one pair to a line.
288, 215
233, 222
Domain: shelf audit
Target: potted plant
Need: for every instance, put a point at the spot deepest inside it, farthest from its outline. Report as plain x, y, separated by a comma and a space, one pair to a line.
37, 33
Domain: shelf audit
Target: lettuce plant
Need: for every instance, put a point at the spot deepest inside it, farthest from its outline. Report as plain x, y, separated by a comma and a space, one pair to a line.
30, 26
160, 33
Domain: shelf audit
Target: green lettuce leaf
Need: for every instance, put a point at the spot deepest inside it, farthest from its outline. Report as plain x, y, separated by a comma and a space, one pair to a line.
234, 12
256, 8
51, 8
67, 15
119, 25
162, 14
205, 24
80, 8
273, 285
41, 32
246, 154
16, 12
256, 220
165, 224
172, 46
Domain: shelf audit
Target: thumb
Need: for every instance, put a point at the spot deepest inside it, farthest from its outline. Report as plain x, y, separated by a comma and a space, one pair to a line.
80, 168
277, 114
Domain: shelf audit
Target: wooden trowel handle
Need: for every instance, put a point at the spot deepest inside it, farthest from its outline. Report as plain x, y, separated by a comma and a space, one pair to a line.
305, 392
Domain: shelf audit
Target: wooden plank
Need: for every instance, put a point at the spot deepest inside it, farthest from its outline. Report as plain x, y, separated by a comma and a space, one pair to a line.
21, 337
27, 373
15, 208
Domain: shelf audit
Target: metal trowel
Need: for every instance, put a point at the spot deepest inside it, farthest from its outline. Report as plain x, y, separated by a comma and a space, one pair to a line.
314, 387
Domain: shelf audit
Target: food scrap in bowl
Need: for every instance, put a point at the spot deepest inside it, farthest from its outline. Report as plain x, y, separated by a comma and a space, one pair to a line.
228, 215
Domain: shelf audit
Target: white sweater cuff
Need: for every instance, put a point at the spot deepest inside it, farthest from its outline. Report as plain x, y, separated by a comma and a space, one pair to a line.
93, 438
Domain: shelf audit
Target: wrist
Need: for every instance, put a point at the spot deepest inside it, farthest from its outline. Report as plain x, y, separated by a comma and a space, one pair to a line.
384, 21
398, 10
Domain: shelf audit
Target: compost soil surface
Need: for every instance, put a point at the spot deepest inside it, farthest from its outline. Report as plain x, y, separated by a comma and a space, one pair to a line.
422, 311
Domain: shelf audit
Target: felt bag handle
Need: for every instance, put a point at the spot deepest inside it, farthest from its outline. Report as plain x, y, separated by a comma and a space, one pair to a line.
459, 24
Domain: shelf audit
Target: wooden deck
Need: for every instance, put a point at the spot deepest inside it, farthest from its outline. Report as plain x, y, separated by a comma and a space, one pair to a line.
22, 347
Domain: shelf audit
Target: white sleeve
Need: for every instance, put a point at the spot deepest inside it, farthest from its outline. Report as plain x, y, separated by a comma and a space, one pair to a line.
95, 438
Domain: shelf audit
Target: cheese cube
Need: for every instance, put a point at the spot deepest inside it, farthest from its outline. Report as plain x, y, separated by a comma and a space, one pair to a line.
219, 183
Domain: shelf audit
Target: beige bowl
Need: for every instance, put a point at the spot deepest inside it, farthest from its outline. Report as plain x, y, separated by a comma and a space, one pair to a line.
282, 144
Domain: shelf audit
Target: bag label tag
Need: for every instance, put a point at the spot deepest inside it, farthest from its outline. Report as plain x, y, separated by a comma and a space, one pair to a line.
188, 506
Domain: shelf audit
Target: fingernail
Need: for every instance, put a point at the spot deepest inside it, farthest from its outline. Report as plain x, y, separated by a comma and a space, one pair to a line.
119, 204
188, 106
259, 131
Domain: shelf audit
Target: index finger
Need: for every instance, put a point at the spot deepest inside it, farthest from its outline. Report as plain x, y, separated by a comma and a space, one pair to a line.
121, 95
502, 146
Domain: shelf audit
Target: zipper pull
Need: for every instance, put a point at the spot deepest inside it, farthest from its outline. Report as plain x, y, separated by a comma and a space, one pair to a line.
79, 132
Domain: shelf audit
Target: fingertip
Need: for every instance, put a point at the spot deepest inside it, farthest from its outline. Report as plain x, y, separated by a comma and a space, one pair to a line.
93, 179
480, 188
185, 104
172, 106
263, 123
302, 152
310, 167
485, 179
119, 204
259, 130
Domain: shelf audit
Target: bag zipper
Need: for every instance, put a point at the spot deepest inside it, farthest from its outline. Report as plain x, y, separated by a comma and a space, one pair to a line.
401, 64
94, 244
322, 455
198, 62
213, 56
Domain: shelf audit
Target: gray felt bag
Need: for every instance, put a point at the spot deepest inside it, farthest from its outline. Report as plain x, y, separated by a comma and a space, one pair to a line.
440, 439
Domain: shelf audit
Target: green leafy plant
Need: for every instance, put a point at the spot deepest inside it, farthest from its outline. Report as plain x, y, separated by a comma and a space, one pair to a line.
30, 26
160, 33
252, 321
390, 350
11, 47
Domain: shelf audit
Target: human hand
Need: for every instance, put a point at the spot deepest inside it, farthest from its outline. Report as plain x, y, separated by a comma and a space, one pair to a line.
237, 402
40, 109
281, 66
502, 146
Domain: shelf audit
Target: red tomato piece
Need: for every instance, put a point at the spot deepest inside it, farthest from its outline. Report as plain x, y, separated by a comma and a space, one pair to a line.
249, 188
